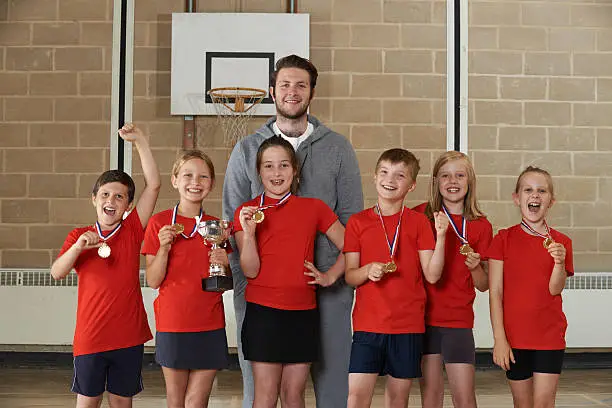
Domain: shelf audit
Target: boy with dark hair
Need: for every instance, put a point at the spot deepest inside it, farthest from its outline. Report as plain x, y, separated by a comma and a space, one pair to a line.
111, 325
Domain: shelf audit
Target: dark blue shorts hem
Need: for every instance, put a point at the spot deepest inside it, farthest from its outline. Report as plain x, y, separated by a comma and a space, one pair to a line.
397, 355
116, 371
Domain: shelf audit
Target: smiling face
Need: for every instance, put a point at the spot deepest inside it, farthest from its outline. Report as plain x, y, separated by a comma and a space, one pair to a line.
534, 196
292, 92
193, 180
111, 202
453, 181
393, 181
276, 171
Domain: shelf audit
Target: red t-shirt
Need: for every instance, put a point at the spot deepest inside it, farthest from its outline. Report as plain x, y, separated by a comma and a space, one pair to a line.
110, 311
182, 305
533, 318
396, 303
450, 300
285, 239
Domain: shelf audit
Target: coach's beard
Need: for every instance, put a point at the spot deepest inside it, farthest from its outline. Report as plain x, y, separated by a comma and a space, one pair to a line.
292, 116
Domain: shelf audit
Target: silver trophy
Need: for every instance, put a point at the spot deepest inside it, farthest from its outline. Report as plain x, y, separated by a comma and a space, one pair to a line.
216, 232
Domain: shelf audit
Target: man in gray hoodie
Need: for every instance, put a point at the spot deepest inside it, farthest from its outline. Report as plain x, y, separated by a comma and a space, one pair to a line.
328, 171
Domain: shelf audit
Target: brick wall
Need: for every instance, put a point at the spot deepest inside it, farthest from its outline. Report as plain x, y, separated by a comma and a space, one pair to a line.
55, 61
539, 94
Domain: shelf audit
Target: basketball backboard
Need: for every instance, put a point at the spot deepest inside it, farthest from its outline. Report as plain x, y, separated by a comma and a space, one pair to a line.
213, 50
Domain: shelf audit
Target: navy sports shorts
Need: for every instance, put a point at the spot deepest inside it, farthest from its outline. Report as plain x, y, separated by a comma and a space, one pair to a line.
397, 355
116, 371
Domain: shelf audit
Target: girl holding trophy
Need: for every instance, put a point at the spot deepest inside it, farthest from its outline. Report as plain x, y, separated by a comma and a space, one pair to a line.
275, 234
190, 341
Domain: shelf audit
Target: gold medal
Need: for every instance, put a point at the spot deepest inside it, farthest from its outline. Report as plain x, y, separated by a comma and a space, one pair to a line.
390, 267
258, 216
548, 242
178, 228
465, 249
104, 250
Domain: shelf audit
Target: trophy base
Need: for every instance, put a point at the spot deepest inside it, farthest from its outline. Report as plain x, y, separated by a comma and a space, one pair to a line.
217, 284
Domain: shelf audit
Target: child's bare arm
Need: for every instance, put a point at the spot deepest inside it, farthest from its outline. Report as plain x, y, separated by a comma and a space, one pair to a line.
157, 264
148, 197
432, 262
249, 255
478, 271
559, 274
64, 264
502, 353
356, 275
336, 235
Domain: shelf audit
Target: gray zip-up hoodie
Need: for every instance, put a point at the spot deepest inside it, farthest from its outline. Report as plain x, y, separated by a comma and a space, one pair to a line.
328, 171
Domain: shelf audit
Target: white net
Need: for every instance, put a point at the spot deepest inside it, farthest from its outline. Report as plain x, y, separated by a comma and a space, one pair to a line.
235, 107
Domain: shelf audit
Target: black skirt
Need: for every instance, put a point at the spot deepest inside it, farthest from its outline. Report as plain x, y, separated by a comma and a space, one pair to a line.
280, 336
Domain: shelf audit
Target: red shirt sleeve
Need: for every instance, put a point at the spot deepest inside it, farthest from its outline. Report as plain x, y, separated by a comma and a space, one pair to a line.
351, 236
237, 224
569, 256
326, 216
72, 237
496, 249
425, 237
485, 238
151, 240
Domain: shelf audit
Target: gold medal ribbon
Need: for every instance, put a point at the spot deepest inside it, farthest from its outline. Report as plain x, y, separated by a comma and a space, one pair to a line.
548, 240
392, 245
195, 227
280, 202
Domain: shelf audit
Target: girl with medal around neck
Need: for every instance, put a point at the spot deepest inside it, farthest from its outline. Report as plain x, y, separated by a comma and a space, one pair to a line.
111, 324
449, 315
389, 249
190, 343
280, 333
528, 266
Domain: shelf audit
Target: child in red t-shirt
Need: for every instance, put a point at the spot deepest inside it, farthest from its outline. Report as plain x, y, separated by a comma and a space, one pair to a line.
190, 343
449, 316
111, 325
388, 249
528, 266
275, 234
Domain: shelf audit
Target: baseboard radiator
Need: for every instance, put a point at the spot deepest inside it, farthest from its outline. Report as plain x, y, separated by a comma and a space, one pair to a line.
36, 310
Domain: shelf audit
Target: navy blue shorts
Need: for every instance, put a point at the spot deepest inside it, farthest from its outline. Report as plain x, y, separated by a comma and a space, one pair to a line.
534, 361
116, 371
205, 350
397, 355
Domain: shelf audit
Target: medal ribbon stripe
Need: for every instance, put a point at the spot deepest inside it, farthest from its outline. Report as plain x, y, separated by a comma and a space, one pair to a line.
463, 235
548, 240
392, 245
534, 232
280, 202
110, 234
195, 227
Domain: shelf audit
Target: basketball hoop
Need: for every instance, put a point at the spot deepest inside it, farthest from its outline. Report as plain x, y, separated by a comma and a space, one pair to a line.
235, 106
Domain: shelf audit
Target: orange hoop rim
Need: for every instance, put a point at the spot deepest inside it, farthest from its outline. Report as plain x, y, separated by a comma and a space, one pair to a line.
248, 92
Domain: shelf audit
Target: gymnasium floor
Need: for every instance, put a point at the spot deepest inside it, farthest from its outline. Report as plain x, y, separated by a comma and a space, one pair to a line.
35, 387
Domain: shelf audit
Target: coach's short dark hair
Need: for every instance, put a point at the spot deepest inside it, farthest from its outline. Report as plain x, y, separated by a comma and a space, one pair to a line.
295, 61
112, 176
